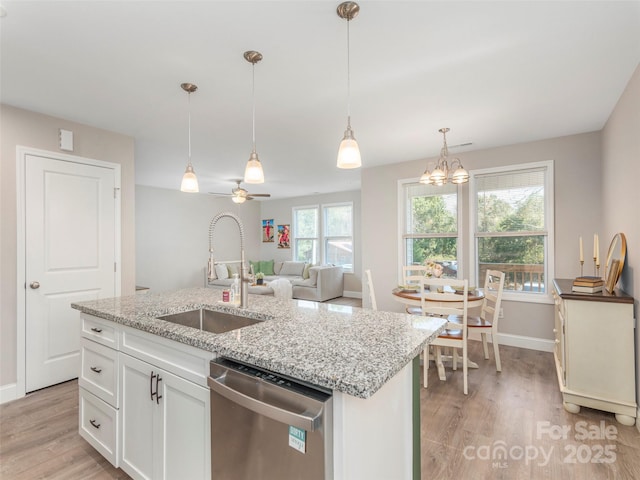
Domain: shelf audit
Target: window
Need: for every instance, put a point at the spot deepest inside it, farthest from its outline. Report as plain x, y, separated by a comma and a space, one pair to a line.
431, 226
512, 222
338, 235
336, 246
305, 234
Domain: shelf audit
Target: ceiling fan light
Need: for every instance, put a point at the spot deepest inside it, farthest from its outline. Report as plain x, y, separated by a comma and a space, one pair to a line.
238, 199
349, 152
189, 181
253, 172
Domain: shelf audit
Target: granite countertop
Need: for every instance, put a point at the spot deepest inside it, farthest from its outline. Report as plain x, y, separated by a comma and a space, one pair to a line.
348, 349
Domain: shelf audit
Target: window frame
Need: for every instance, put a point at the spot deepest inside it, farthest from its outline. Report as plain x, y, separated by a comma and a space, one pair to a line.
321, 237
325, 237
549, 221
402, 226
296, 238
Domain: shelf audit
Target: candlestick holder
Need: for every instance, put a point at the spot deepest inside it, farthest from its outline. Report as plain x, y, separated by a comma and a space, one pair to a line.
581, 268
594, 267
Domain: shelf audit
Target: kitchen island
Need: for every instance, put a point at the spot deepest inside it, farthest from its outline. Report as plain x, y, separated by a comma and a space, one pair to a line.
366, 358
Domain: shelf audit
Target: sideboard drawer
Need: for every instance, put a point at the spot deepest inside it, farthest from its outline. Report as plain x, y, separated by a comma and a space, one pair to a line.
99, 371
98, 330
99, 425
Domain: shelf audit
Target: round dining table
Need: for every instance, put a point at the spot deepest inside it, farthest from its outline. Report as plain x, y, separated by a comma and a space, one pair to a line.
412, 297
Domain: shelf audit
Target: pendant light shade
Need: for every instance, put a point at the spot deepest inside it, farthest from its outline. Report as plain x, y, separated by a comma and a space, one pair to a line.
189, 180
253, 172
348, 152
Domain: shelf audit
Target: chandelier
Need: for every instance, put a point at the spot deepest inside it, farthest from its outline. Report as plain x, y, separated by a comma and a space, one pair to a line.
445, 170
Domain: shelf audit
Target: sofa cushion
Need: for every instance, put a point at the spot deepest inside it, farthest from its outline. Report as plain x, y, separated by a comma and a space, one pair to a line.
221, 271
292, 268
277, 266
266, 267
305, 272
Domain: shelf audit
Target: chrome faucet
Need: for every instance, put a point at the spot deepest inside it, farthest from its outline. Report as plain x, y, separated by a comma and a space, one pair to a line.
244, 280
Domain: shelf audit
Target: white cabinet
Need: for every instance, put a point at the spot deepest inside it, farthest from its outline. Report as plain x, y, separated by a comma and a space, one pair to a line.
164, 423
144, 401
98, 392
594, 351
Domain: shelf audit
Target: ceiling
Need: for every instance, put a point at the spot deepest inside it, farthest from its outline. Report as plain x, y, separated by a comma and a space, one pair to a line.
496, 73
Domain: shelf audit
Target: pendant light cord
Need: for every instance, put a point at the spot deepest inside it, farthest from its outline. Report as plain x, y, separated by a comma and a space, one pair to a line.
189, 103
253, 94
348, 78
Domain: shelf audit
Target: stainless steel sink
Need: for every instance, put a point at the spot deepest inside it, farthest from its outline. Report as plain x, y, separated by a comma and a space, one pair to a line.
209, 320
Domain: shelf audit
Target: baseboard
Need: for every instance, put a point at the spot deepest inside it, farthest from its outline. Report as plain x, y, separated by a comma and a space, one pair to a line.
531, 343
638, 418
352, 294
8, 392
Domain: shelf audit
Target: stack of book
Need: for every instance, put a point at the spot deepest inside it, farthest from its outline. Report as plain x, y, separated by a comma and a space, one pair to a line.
587, 285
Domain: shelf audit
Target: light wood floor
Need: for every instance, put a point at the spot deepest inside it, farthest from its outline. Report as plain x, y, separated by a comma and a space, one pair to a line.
39, 433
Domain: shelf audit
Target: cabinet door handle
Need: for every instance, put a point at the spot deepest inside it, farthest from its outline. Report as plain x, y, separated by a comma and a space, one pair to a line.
94, 424
153, 375
96, 369
158, 396
95, 329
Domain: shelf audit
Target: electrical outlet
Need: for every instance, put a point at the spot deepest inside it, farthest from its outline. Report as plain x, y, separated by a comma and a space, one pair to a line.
501, 314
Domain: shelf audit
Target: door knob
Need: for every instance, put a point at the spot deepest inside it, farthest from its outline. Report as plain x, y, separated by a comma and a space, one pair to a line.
34, 285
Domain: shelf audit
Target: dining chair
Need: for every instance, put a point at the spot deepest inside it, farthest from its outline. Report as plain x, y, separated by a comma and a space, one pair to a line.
410, 274
487, 322
453, 301
372, 293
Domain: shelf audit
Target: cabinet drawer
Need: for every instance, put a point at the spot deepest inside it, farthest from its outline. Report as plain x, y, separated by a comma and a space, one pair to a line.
99, 371
99, 425
98, 330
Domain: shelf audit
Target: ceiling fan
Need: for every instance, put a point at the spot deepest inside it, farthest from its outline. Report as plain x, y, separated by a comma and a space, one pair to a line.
240, 195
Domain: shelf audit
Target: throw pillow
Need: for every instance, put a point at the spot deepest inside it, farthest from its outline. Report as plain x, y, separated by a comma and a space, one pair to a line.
222, 271
233, 269
305, 272
266, 267
255, 267
277, 266
292, 268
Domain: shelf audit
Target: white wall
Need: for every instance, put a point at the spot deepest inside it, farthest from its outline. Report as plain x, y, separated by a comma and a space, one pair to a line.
281, 210
34, 130
620, 191
577, 162
172, 236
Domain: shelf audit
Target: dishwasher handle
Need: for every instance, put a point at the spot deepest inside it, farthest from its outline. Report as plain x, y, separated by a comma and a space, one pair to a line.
310, 420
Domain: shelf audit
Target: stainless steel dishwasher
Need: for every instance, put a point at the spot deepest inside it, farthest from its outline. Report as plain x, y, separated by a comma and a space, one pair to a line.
265, 426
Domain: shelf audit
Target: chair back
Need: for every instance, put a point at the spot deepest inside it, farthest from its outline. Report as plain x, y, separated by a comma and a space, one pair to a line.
452, 300
493, 287
412, 271
372, 294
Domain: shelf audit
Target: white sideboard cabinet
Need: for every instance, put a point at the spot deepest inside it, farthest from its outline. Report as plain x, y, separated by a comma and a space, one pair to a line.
594, 351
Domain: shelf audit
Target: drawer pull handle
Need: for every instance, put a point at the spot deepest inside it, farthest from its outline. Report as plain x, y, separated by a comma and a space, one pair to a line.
158, 396
94, 424
151, 386
96, 329
96, 369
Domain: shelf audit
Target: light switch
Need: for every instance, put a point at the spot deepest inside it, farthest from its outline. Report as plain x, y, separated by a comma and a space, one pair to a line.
66, 140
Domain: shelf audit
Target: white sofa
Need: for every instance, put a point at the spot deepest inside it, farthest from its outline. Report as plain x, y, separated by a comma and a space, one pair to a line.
318, 283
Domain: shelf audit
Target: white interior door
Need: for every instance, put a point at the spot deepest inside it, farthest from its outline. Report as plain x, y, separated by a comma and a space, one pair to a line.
70, 245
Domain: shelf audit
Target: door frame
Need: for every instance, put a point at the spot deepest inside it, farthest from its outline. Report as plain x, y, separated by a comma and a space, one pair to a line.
21, 287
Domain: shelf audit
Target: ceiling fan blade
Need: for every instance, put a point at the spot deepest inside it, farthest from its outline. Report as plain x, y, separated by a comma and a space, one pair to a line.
259, 194
221, 194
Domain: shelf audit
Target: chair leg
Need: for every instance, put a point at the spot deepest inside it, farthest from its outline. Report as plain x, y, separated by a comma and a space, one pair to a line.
454, 358
465, 368
484, 345
496, 352
440, 365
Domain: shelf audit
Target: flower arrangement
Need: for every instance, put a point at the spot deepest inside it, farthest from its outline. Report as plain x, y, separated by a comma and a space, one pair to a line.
433, 269
259, 278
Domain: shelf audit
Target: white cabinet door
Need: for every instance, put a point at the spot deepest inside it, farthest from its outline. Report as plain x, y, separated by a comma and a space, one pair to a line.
137, 417
184, 429
165, 424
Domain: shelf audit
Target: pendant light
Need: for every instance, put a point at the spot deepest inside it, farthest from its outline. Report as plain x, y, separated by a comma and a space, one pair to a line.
349, 152
189, 180
253, 172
